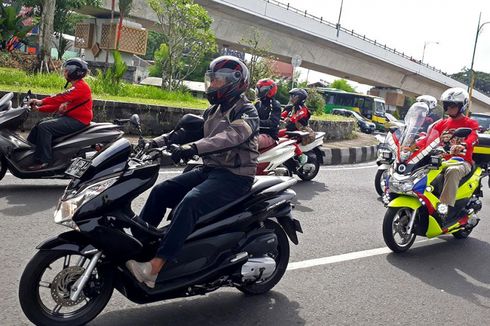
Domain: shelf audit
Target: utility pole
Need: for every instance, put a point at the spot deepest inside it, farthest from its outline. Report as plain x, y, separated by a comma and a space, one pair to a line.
340, 14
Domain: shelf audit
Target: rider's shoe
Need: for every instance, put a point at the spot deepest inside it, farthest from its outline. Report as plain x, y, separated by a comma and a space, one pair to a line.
39, 166
302, 159
142, 272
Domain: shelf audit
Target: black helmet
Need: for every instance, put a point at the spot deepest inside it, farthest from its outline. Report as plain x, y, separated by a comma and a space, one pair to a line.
76, 67
226, 79
300, 94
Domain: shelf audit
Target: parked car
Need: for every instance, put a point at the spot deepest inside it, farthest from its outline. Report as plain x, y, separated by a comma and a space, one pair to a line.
483, 121
365, 125
392, 121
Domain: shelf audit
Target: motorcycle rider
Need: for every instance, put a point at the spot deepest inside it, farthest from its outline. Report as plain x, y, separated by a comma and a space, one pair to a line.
454, 101
296, 116
269, 110
228, 146
74, 107
431, 102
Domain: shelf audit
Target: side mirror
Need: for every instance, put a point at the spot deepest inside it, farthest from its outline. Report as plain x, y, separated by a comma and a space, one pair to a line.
462, 132
190, 122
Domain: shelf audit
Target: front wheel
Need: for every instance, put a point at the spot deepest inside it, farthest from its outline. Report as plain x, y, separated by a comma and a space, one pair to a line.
44, 289
395, 225
3, 167
380, 181
280, 255
310, 169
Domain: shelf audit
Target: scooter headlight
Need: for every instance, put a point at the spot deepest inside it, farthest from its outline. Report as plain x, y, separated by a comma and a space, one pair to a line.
67, 207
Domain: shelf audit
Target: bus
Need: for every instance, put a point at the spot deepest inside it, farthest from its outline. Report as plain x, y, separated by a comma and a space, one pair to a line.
370, 107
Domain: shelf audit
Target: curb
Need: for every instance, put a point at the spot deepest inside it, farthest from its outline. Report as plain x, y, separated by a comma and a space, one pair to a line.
352, 155
332, 156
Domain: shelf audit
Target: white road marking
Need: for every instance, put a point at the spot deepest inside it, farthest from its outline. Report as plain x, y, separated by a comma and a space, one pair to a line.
342, 258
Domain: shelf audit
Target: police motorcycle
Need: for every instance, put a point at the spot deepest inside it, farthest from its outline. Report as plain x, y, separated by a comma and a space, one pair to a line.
17, 154
416, 182
72, 276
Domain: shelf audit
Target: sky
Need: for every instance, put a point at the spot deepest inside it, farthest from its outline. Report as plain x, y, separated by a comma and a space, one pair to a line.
407, 24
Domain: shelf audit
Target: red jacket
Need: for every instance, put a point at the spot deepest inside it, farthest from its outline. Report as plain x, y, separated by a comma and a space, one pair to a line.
79, 93
448, 126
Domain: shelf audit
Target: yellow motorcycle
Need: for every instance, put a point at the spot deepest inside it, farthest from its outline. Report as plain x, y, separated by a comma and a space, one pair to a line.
416, 182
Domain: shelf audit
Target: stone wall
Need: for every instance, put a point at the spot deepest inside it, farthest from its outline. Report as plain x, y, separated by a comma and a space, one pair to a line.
156, 120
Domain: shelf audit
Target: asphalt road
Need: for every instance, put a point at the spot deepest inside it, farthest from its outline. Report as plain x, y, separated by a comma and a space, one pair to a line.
353, 281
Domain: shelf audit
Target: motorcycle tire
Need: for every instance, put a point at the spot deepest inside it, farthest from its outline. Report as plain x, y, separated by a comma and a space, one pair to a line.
388, 235
282, 260
3, 167
312, 159
380, 175
31, 302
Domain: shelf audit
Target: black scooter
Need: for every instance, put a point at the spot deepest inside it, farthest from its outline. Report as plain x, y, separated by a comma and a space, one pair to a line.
17, 154
71, 278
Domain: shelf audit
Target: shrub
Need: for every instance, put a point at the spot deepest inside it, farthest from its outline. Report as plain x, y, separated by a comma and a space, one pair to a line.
315, 101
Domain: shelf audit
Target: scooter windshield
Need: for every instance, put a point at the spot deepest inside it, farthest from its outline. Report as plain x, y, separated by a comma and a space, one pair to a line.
413, 122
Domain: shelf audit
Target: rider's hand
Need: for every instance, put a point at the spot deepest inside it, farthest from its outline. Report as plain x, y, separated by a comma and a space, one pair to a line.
34, 102
184, 152
456, 149
63, 107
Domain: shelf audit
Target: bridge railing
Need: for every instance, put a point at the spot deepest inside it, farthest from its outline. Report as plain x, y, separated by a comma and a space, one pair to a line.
351, 32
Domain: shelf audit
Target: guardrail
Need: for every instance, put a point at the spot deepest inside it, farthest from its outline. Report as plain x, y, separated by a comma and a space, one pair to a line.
351, 32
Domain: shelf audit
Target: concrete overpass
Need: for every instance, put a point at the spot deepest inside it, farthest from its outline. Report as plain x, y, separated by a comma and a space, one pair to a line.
292, 32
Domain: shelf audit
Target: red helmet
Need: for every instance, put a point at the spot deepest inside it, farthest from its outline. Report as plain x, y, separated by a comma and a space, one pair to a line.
266, 88
226, 78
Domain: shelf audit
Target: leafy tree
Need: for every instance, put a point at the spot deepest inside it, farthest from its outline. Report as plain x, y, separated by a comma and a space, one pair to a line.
343, 85
11, 25
188, 39
482, 79
154, 41
261, 63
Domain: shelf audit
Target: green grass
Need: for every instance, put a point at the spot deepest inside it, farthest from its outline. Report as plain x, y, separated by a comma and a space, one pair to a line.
13, 80
330, 117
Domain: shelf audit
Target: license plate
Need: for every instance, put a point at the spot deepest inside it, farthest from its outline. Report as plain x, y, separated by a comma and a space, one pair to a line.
78, 167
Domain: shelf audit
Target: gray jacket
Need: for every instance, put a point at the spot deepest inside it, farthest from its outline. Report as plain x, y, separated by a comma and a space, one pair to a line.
228, 138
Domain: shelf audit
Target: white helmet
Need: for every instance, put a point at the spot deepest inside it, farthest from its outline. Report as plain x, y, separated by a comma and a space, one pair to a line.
455, 95
429, 100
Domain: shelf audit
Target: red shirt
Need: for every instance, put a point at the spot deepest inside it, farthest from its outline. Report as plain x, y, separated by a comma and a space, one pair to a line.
77, 94
450, 125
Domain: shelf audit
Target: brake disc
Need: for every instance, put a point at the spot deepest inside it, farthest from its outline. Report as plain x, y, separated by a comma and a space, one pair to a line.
60, 287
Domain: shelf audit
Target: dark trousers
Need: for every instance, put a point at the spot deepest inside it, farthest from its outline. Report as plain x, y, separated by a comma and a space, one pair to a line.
43, 133
193, 194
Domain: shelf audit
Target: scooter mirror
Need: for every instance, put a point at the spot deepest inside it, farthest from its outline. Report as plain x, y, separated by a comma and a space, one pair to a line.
135, 120
462, 132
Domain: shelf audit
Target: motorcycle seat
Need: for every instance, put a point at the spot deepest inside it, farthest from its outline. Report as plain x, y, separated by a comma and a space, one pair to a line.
260, 183
63, 138
468, 176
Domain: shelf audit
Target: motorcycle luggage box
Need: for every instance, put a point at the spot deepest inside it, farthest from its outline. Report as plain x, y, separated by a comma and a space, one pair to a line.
481, 152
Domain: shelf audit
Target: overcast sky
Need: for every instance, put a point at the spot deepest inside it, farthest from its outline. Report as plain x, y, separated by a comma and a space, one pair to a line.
407, 24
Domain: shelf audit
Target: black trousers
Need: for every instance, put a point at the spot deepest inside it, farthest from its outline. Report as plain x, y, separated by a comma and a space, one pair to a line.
193, 194
43, 133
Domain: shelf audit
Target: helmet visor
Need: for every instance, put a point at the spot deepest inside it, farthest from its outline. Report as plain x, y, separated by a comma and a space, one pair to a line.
214, 81
449, 104
262, 91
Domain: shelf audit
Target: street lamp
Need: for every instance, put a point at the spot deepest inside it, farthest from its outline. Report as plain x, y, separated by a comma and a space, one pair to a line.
472, 81
425, 45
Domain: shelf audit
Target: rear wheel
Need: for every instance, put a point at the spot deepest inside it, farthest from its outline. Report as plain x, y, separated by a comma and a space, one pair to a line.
310, 169
280, 255
395, 225
3, 167
44, 289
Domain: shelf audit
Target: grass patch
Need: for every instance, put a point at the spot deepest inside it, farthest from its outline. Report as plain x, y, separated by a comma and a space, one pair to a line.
330, 117
13, 80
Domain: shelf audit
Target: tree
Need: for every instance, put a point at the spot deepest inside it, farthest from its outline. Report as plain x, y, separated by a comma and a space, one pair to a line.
154, 41
261, 63
46, 32
11, 26
482, 79
188, 38
342, 84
